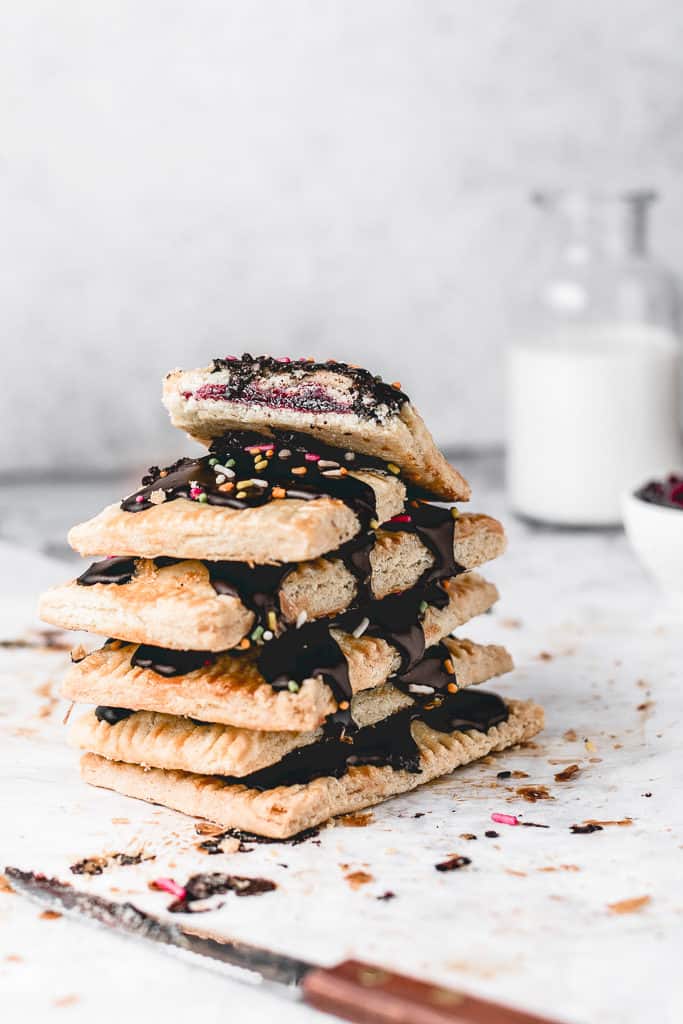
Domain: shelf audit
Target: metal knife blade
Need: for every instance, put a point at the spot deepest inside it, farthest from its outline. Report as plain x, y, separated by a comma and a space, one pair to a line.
254, 963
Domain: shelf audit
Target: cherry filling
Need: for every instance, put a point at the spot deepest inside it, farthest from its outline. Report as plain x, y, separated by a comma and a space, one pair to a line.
305, 398
667, 492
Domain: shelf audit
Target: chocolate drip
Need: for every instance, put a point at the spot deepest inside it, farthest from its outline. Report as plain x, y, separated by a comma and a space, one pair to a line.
389, 743
169, 663
112, 715
369, 397
256, 587
109, 570
355, 556
397, 620
430, 672
305, 653
435, 527
312, 651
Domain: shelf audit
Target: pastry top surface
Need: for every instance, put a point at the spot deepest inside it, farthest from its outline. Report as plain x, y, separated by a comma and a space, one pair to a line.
340, 404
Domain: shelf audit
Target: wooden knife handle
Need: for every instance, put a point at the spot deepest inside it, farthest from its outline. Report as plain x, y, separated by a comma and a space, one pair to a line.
371, 995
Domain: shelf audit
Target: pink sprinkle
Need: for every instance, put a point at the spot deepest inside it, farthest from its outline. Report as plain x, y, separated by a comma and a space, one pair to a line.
232, 359
139, 499
401, 519
284, 359
505, 819
170, 886
195, 492
186, 394
310, 457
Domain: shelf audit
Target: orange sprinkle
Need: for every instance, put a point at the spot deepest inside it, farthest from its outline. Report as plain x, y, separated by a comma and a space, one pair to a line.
344, 705
396, 384
164, 472
299, 471
452, 688
279, 492
244, 644
448, 665
226, 487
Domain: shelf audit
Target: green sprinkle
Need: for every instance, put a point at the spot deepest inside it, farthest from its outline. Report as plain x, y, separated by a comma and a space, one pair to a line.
257, 634
230, 463
213, 462
423, 607
203, 498
454, 512
374, 524
293, 686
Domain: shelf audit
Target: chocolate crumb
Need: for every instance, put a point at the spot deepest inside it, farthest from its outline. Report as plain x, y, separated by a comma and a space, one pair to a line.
568, 773
96, 865
504, 775
584, 830
646, 794
534, 793
386, 896
420, 814
467, 835
453, 864
213, 844
490, 834
202, 887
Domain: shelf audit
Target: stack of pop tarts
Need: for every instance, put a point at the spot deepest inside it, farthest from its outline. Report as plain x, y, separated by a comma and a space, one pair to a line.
281, 610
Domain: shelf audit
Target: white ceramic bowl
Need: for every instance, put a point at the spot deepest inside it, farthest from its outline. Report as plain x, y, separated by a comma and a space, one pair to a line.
656, 535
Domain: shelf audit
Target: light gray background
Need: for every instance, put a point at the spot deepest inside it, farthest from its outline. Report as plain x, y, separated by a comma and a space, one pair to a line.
341, 179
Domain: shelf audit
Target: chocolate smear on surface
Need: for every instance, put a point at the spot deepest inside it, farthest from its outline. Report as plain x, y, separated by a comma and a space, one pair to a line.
295, 384
96, 865
248, 840
389, 743
204, 886
240, 472
584, 830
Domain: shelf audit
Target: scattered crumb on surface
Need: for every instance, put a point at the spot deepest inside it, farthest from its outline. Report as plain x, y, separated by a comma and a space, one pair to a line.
622, 821
569, 772
545, 656
453, 863
14, 958
49, 915
467, 835
4, 885
69, 1000
534, 793
517, 874
357, 820
358, 878
561, 867
386, 896
631, 906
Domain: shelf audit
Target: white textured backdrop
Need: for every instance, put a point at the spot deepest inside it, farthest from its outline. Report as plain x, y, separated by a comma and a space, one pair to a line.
341, 179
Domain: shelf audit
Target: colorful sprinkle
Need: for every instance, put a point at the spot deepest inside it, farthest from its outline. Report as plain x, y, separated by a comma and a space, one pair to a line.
299, 470
293, 686
244, 644
404, 518
374, 524
452, 688
203, 498
393, 468
267, 635
257, 634
361, 627
272, 620
455, 512
139, 499
311, 457
279, 492
505, 819
300, 619
450, 668
284, 453
170, 886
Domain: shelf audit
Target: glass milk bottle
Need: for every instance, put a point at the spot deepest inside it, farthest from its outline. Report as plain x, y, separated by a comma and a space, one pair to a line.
593, 385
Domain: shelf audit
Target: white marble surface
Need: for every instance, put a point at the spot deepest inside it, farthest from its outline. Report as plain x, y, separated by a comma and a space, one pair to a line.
315, 177
527, 922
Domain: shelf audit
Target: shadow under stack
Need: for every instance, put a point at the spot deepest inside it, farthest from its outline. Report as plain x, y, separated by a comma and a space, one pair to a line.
283, 607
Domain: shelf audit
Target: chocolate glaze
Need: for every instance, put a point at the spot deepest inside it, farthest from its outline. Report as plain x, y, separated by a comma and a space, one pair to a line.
168, 663
112, 715
435, 527
109, 570
389, 743
355, 555
193, 479
368, 397
311, 651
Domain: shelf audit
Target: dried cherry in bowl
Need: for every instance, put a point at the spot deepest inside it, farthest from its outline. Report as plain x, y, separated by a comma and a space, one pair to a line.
653, 520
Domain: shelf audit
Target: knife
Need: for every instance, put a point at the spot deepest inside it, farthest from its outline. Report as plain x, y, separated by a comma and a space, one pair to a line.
354, 990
